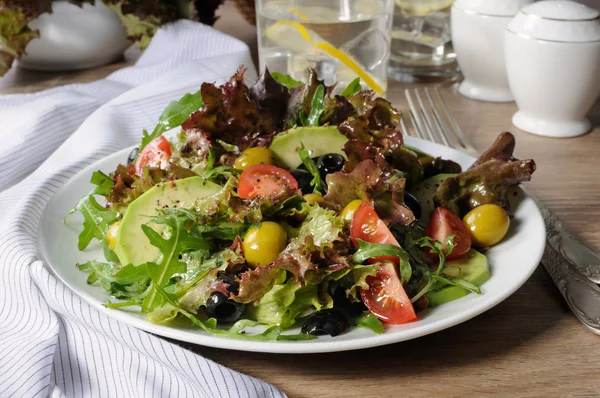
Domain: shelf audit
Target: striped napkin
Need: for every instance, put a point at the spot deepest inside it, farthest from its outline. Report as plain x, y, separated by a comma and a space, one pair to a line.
52, 343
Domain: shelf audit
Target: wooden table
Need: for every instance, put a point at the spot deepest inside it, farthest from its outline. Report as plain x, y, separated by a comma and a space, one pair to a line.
530, 345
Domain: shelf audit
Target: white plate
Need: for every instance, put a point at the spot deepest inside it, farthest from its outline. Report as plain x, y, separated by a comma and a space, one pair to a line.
512, 263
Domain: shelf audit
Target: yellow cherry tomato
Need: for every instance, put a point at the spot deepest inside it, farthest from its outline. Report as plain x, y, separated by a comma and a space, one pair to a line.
253, 156
111, 234
313, 198
488, 224
348, 211
263, 244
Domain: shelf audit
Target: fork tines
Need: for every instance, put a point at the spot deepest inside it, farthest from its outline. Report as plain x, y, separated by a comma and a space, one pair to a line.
431, 119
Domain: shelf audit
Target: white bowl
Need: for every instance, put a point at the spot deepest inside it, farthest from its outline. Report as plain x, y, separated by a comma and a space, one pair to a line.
73, 37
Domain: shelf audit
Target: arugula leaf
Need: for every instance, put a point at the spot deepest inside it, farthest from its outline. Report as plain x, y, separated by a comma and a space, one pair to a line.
109, 254
200, 273
134, 293
302, 118
352, 88
442, 249
286, 80
128, 283
450, 280
99, 272
103, 183
368, 250
228, 147
132, 273
293, 202
370, 321
211, 172
209, 325
316, 108
225, 230
174, 115
179, 241
96, 220
225, 171
436, 279
317, 182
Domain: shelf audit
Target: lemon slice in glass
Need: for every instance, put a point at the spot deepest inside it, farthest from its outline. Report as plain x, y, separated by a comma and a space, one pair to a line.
423, 7
293, 36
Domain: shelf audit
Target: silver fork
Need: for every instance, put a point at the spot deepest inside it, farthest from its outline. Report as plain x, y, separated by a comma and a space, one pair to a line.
573, 265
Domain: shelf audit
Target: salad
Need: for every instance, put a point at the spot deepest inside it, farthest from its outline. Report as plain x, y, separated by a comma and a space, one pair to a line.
282, 205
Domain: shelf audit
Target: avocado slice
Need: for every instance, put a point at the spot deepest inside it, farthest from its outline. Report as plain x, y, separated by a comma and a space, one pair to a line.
424, 192
318, 140
474, 267
132, 245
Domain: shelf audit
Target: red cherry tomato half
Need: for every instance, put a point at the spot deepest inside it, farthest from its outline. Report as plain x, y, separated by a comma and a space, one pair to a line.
386, 297
366, 225
442, 224
156, 154
265, 180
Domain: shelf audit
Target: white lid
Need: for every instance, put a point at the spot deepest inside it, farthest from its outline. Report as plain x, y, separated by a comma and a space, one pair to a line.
500, 8
558, 20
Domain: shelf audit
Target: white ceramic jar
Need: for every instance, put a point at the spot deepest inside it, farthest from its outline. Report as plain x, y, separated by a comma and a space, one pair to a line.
478, 38
553, 64
73, 37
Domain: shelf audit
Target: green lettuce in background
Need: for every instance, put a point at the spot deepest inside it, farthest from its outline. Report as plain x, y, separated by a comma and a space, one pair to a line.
141, 19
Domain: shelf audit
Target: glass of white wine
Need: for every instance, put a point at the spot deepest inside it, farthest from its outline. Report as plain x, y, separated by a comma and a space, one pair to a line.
421, 42
340, 39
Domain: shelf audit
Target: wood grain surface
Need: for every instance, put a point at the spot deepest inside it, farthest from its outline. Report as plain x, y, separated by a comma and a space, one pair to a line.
528, 346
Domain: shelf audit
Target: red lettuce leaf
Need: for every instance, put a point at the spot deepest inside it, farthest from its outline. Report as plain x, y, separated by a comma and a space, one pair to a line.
307, 263
376, 122
363, 182
390, 206
368, 182
238, 115
487, 181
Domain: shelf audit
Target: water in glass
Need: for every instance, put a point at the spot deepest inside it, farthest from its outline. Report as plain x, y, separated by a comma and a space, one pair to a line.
340, 39
421, 41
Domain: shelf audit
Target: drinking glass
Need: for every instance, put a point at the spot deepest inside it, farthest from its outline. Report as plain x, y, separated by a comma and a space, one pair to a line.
421, 40
340, 39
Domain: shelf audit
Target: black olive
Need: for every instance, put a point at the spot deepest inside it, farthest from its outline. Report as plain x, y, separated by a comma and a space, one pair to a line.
341, 302
231, 280
218, 306
413, 204
330, 163
304, 178
132, 155
329, 322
